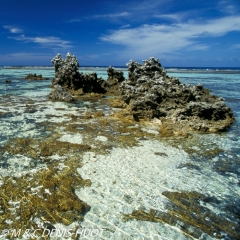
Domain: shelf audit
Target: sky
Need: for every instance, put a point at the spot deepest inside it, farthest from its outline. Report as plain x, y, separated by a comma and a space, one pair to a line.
186, 33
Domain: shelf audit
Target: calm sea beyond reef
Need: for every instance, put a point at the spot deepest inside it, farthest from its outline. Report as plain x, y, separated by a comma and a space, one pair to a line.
73, 168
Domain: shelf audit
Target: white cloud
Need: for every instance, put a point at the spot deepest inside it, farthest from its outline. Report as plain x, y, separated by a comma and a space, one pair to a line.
157, 39
125, 26
13, 29
228, 6
173, 17
49, 41
110, 16
146, 8
45, 41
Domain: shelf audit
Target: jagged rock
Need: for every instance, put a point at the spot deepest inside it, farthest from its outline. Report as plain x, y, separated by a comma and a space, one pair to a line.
31, 76
151, 68
60, 94
114, 77
68, 76
150, 93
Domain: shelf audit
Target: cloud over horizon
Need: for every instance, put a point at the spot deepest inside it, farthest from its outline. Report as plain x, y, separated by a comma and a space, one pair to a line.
156, 39
103, 33
47, 42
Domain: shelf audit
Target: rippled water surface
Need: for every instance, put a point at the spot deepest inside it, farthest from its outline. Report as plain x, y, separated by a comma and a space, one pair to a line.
26, 112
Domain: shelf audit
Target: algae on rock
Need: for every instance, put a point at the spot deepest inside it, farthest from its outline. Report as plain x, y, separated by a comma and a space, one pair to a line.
185, 212
47, 195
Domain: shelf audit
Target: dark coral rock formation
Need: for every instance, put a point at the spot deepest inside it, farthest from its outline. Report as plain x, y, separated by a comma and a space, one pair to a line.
34, 76
68, 76
147, 93
114, 77
150, 93
60, 94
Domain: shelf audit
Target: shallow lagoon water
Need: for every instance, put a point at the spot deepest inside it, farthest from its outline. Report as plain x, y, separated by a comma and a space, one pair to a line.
209, 164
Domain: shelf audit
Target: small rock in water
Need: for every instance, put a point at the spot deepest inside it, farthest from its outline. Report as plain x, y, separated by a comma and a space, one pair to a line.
34, 76
161, 154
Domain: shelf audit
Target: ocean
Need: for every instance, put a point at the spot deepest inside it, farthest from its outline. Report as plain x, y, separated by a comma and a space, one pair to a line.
205, 167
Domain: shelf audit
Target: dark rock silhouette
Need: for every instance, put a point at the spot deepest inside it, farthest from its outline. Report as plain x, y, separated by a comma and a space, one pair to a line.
34, 76
150, 93
147, 93
68, 76
114, 78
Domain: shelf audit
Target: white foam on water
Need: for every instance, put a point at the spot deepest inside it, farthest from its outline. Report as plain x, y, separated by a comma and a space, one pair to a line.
72, 138
33, 94
101, 138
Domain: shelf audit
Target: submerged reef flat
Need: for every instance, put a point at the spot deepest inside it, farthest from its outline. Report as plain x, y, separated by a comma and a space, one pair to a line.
85, 168
186, 212
37, 199
94, 161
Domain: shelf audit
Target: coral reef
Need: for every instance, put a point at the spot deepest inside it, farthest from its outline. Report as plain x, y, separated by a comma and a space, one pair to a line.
47, 196
68, 76
150, 93
31, 76
114, 78
60, 94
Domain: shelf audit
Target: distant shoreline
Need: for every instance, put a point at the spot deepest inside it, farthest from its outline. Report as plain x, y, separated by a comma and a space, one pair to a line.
213, 70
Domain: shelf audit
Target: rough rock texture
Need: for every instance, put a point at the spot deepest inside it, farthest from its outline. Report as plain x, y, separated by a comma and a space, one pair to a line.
150, 93
31, 76
147, 93
68, 76
60, 94
114, 78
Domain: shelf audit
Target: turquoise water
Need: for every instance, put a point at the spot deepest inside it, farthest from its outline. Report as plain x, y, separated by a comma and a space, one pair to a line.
16, 120
226, 85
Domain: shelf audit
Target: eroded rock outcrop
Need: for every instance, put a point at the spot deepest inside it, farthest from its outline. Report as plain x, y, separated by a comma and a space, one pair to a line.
34, 76
60, 94
150, 93
114, 78
68, 76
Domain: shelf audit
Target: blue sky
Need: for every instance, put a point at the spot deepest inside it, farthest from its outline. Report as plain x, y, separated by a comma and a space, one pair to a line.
183, 33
